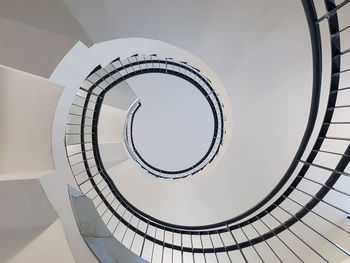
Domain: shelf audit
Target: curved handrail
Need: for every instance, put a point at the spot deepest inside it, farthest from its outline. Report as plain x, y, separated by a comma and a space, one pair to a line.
277, 188
217, 112
226, 227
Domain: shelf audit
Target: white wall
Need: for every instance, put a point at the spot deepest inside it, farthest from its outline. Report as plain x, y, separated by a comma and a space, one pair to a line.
35, 35
111, 124
26, 121
48, 15
30, 230
31, 49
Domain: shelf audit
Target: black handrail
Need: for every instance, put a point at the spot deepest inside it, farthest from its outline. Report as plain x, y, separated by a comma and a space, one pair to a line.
218, 125
269, 212
317, 58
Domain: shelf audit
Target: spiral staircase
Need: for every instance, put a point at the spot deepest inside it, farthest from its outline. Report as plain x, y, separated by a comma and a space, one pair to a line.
174, 131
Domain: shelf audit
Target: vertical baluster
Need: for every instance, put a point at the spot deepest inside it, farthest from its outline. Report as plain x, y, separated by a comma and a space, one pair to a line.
299, 238
315, 231
154, 239
163, 245
327, 220
113, 214
262, 221
200, 237
119, 221
250, 242
239, 247
151, 56
192, 247
146, 63
104, 79
138, 62
127, 227
120, 62
144, 238
103, 199
166, 65
182, 252
273, 251
133, 238
185, 70
222, 241
172, 247
131, 65
211, 241
107, 208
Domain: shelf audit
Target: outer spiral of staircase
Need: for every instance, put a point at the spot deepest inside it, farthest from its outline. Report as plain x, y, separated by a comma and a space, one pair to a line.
50, 215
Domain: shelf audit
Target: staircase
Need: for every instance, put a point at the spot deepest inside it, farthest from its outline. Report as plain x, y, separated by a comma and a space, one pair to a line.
75, 187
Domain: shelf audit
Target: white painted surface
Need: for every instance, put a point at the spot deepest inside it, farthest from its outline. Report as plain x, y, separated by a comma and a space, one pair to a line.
18, 211
49, 246
30, 230
120, 97
23, 175
174, 127
111, 124
112, 153
26, 121
49, 15
31, 49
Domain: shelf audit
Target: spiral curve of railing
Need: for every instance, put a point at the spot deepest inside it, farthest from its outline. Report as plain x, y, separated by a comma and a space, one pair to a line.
192, 75
284, 225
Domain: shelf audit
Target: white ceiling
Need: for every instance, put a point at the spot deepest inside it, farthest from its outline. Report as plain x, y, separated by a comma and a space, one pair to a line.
174, 127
